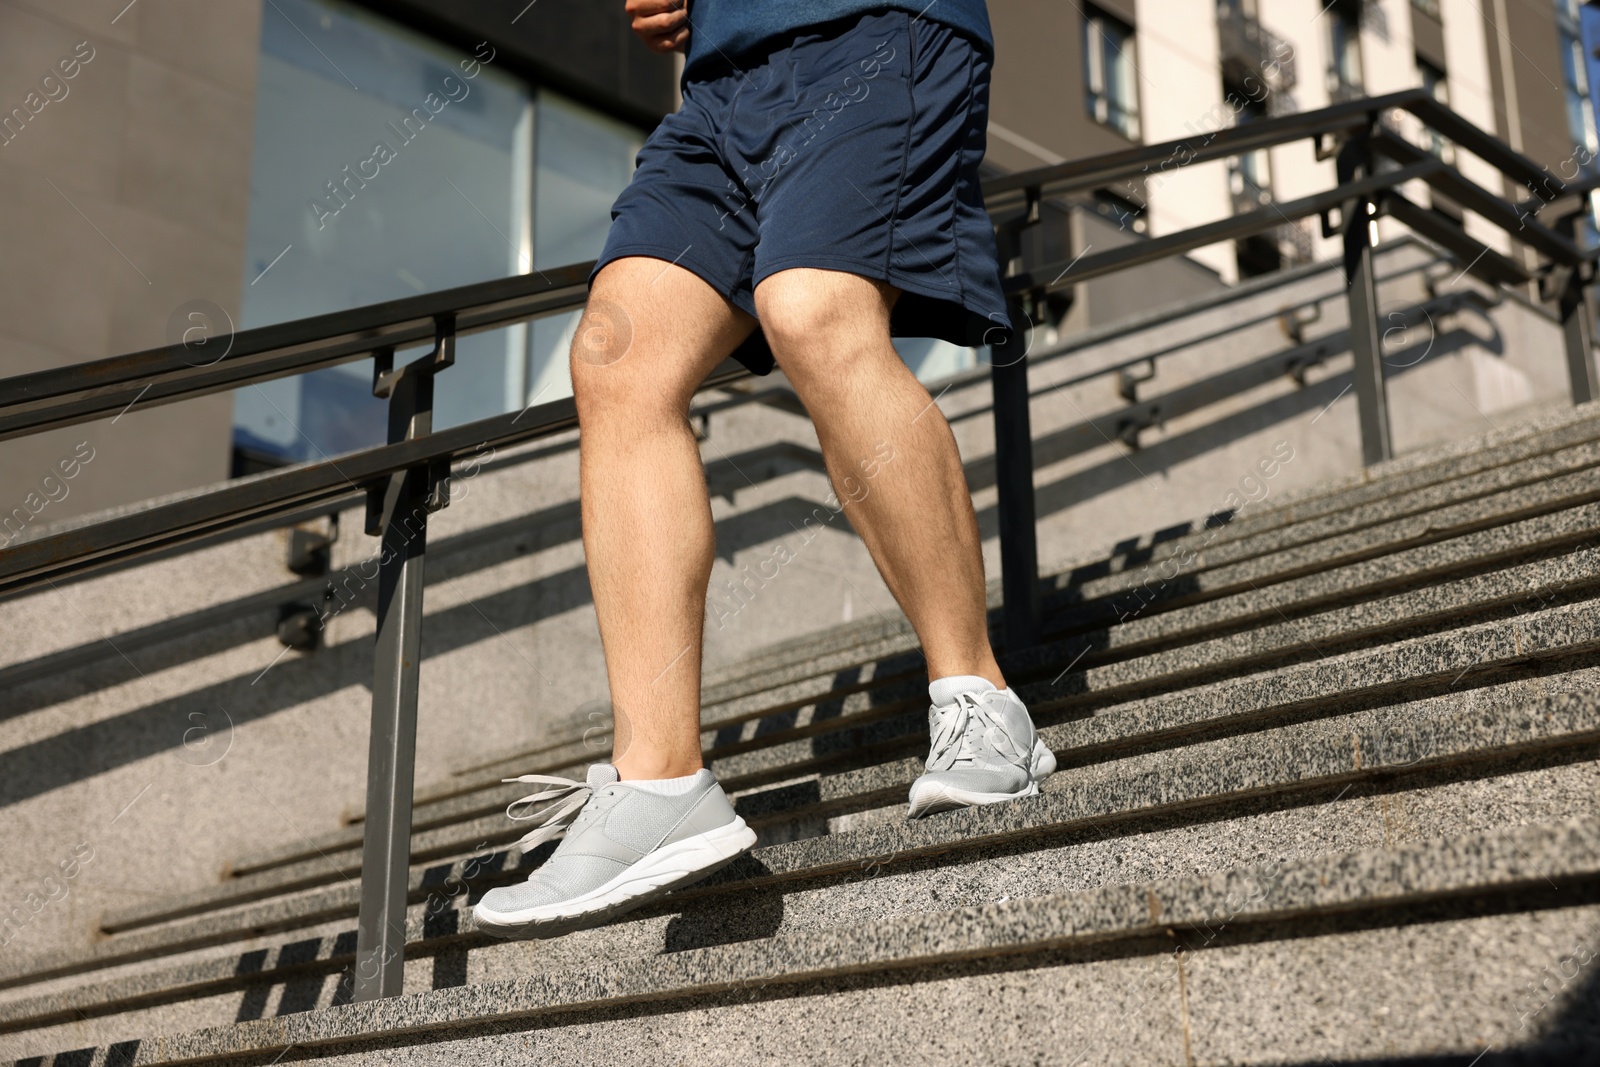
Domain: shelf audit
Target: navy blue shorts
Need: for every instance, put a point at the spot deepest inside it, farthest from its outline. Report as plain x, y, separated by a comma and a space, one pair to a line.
854, 147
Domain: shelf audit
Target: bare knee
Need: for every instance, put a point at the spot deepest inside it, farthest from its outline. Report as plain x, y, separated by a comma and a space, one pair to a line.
649, 334
814, 319
609, 394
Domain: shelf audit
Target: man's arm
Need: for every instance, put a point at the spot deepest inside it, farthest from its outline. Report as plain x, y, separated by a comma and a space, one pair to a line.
663, 25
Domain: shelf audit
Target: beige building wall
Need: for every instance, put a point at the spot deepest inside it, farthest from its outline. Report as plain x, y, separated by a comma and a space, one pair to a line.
1180, 98
1471, 96
1296, 171
125, 190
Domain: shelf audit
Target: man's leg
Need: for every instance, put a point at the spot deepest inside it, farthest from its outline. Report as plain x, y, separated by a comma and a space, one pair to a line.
649, 336
830, 334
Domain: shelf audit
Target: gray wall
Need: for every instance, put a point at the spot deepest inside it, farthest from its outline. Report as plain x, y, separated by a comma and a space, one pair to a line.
122, 200
128, 197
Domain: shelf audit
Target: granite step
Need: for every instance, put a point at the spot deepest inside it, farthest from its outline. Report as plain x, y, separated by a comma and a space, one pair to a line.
884, 642
1512, 589
1474, 735
1453, 605
1495, 448
1506, 873
647, 936
1437, 661
1579, 427
1344, 586
1517, 588
1501, 523
843, 649
1544, 458
1147, 590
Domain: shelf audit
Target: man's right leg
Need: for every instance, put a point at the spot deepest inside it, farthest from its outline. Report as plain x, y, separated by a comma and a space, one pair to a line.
650, 334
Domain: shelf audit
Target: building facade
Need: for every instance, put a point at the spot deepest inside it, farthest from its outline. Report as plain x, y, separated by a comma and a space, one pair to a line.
183, 168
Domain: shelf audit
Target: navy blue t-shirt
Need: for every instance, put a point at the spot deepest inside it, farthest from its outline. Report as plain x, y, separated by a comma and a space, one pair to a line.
725, 29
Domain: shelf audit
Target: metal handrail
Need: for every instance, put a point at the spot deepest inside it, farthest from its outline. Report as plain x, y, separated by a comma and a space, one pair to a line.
63, 396
408, 478
1083, 175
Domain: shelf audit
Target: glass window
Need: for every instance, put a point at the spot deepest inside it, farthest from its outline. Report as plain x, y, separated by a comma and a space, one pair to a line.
1434, 83
386, 165
1580, 101
584, 161
1249, 174
1575, 74
1344, 50
1111, 90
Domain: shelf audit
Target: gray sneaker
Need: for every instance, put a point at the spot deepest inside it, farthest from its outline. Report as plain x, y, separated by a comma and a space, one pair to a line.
624, 847
985, 750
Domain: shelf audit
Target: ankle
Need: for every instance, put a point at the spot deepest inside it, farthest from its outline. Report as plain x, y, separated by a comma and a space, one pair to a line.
985, 668
653, 766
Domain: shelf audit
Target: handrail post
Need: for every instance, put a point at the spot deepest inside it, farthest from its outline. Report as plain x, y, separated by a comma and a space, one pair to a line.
1577, 330
1013, 458
1578, 333
397, 512
1366, 346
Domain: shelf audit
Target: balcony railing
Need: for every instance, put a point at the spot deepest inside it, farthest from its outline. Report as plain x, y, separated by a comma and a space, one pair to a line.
407, 479
1250, 50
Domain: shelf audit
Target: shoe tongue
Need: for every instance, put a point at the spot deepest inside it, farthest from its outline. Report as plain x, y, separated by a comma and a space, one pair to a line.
602, 774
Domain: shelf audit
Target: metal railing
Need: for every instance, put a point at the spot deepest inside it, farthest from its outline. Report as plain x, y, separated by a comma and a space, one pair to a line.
408, 478
1372, 165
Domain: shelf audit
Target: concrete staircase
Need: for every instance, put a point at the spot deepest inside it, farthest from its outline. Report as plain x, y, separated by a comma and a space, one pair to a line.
1327, 794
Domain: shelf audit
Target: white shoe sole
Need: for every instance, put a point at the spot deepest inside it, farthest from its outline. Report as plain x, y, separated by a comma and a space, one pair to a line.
665, 869
932, 797
929, 798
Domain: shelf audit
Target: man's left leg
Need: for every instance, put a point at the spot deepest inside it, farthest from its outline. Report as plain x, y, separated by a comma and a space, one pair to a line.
830, 333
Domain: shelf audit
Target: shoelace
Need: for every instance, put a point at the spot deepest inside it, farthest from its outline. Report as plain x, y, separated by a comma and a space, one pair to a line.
953, 737
570, 797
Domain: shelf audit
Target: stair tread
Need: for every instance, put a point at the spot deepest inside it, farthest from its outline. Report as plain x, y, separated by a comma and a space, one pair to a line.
1518, 585
1412, 738
1373, 880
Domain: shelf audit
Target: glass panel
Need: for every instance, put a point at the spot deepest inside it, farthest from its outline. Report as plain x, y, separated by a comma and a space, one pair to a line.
380, 169
931, 359
1126, 88
1110, 90
584, 159
1344, 29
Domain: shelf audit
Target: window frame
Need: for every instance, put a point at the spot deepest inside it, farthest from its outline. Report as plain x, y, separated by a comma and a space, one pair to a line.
1106, 35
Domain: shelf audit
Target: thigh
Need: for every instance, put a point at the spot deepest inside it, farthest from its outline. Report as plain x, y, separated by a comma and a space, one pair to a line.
652, 330
862, 149
684, 204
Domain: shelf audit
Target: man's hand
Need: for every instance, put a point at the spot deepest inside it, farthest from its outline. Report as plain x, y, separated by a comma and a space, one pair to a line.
663, 25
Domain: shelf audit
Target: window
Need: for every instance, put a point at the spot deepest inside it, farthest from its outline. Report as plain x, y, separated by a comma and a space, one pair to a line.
1250, 185
1575, 71
1344, 50
1433, 81
1249, 174
384, 165
1111, 89
583, 161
